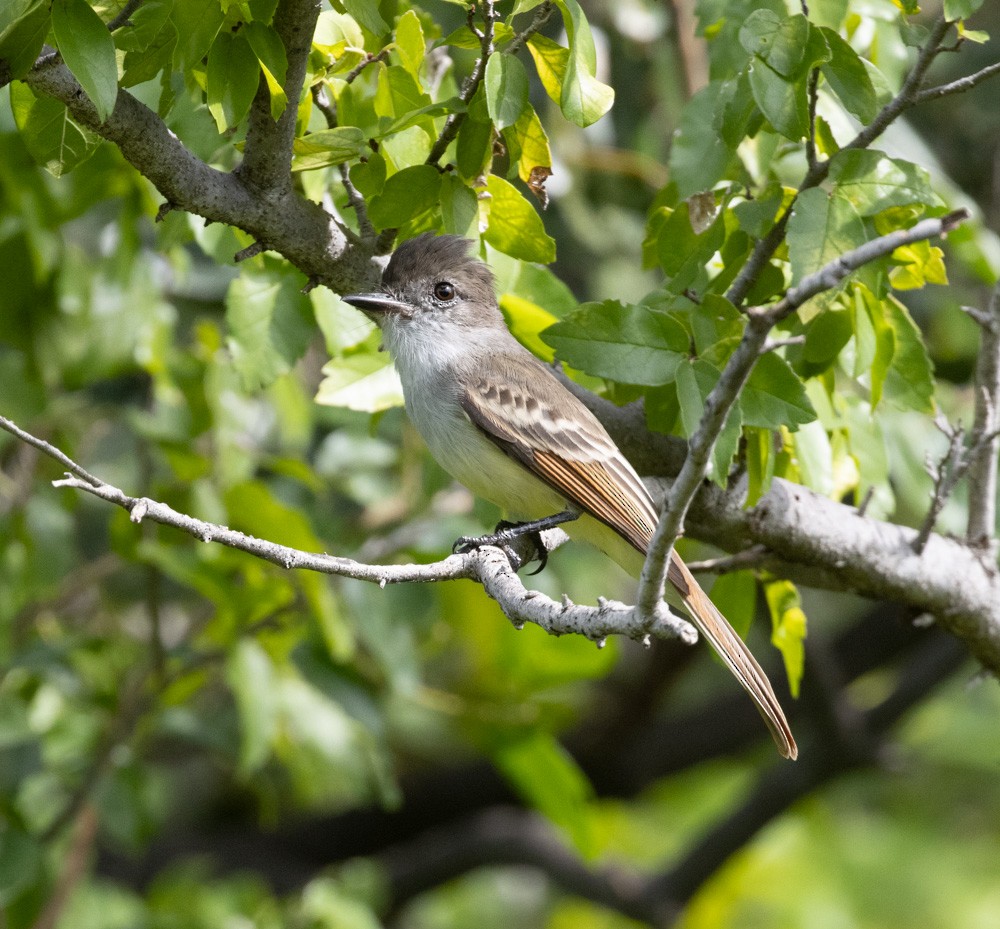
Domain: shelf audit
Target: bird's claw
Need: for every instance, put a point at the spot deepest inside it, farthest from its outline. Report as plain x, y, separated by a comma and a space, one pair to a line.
504, 533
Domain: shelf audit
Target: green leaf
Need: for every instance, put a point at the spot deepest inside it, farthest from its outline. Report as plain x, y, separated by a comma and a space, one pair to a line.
474, 146
251, 678
546, 775
909, 382
53, 140
410, 43
398, 94
367, 14
774, 396
778, 40
23, 27
848, 76
584, 99
365, 381
88, 50
568, 75
760, 460
270, 326
784, 103
631, 344
788, 629
699, 155
337, 33
822, 228
506, 85
529, 144
149, 58
329, 147
232, 79
459, 207
874, 182
514, 227
406, 195
814, 457
197, 23
551, 61
21, 862
735, 594
960, 9
270, 52
826, 335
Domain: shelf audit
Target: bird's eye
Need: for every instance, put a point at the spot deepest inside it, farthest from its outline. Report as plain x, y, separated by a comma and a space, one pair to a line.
444, 291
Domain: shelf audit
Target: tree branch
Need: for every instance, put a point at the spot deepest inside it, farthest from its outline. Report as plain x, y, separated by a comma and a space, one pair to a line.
488, 566
267, 156
959, 86
297, 228
734, 375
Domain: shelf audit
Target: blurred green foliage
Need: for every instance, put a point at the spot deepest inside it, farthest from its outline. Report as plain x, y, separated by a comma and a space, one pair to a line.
153, 686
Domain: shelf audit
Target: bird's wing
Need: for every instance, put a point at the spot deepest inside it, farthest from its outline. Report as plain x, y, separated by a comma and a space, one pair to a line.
539, 423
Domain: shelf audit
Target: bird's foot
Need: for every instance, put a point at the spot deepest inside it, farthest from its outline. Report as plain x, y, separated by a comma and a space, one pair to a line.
506, 532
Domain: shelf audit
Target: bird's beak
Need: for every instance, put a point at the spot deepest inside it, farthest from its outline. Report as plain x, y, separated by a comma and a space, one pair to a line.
377, 304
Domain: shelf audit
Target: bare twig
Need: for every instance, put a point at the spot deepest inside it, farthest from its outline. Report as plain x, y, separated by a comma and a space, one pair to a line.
74, 867
251, 251
50, 450
357, 201
945, 473
369, 59
123, 18
981, 530
542, 15
811, 137
958, 86
751, 557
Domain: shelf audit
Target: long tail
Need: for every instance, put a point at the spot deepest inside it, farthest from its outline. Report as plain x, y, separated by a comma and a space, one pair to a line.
730, 648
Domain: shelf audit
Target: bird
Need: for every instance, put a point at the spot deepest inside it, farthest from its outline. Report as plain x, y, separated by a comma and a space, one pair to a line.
500, 422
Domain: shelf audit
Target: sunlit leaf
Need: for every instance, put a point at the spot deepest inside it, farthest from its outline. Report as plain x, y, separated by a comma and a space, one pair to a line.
365, 381
88, 50
788, 629
514, 227
630, 344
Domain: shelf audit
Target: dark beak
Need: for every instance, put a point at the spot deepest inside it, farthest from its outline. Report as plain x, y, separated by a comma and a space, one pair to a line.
377, 303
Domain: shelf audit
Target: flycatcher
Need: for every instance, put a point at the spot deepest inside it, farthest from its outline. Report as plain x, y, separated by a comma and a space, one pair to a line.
501, 423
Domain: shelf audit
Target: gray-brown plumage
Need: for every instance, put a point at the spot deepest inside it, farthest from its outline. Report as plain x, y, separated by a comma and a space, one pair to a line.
499, 421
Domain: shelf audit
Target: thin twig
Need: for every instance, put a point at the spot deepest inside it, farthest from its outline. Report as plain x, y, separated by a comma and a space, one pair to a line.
751, 557
811, 137
946, 473
982, 471
370, 59
122, 19
49, 450
542, 15
959, 86
454, 122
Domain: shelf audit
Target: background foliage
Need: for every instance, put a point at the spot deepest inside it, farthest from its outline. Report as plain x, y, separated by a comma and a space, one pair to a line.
189, 736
